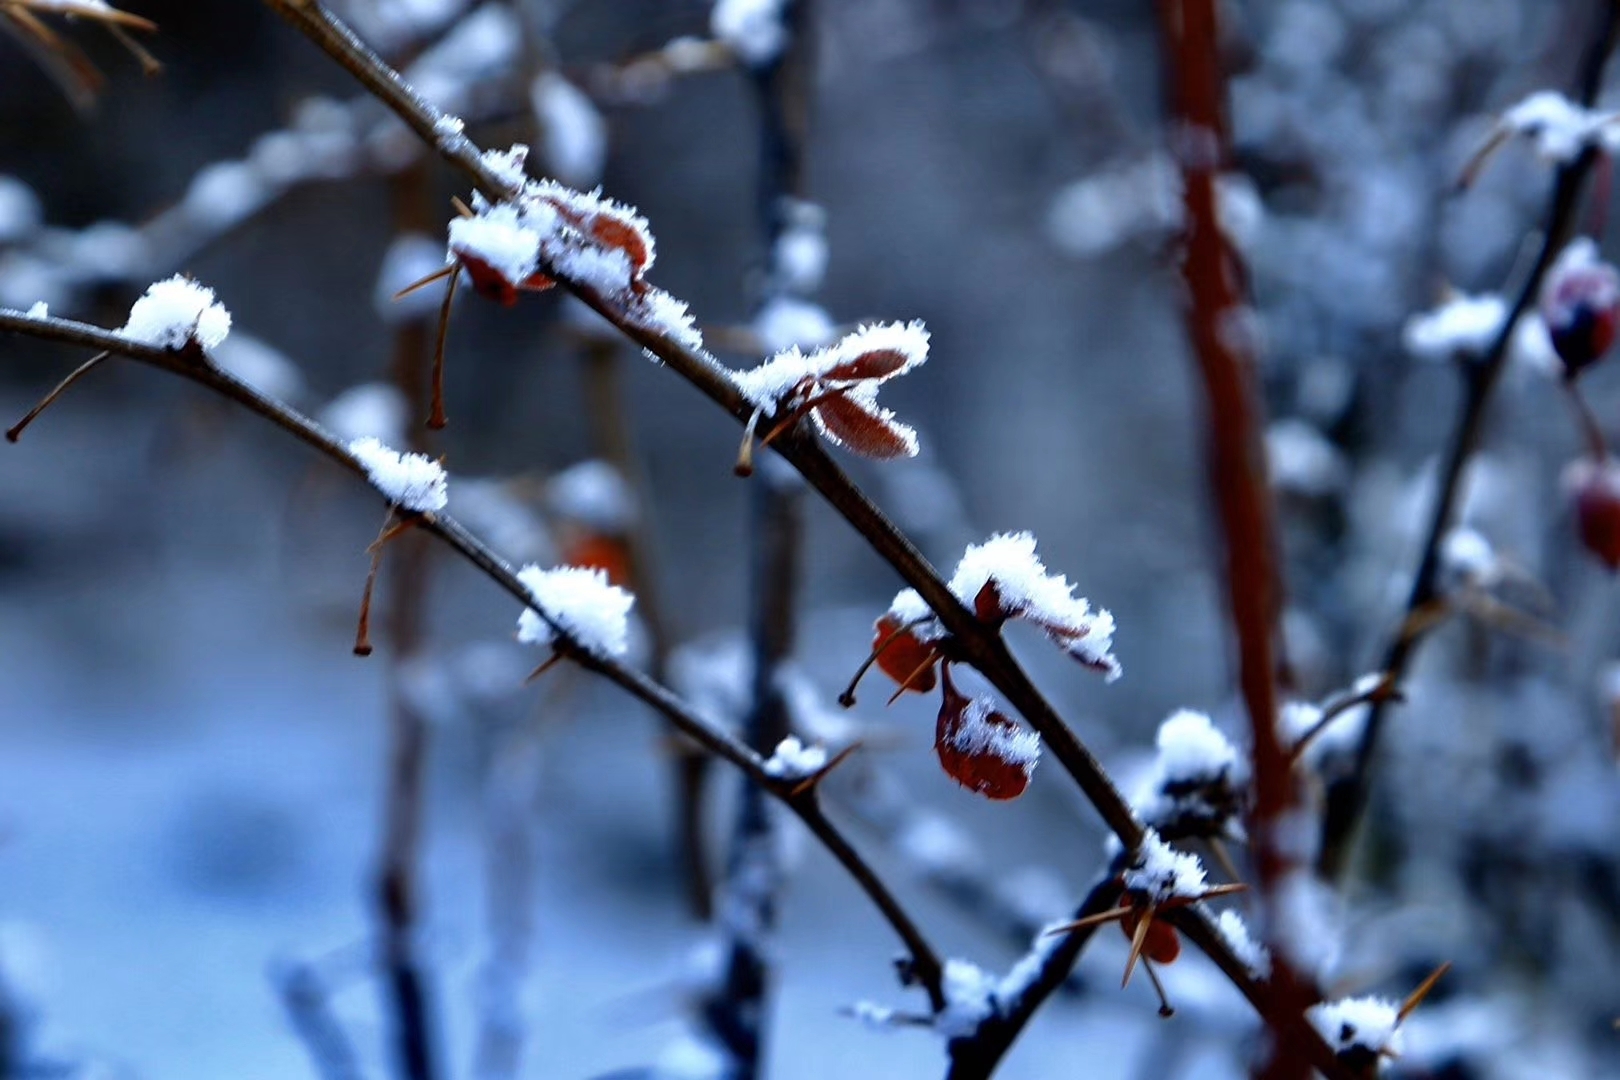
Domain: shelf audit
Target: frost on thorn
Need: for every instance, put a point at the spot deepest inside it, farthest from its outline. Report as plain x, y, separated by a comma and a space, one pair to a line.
837, 387
579, 602
413, 482
175, 312
1161, 874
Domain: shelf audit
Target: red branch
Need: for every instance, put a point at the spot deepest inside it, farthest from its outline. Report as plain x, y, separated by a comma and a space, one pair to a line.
1220, 326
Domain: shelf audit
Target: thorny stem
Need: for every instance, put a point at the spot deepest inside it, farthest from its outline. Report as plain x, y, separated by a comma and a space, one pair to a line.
804, 804
982, 646
1347, 799
611, 432
1215, 316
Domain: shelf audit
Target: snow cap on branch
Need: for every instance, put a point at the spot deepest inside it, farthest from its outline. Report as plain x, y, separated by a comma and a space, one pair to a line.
1363, 1026
412, 482
582, 604
873, 353
1559, 127
1161, 873
1198, 780
1462, 325
792, 760
176, 311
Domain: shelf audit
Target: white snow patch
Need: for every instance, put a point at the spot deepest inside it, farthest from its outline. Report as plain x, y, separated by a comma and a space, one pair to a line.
1192, 750
1370, 1023
1236, 935
792, 760
1462, 325
40, 310
753, 29
1162, 873
970, 999
978, 735
410, 481
175, 311
582, 604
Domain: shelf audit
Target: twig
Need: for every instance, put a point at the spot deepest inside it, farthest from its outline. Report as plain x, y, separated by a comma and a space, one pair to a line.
1217, 317
977, 1056
981, 645
305, 999
1347, 799
191, 364
736, 1011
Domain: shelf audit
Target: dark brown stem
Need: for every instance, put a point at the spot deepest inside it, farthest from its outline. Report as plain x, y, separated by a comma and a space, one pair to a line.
924, 960
1347, 799
436, 416
980, 645
1591, 431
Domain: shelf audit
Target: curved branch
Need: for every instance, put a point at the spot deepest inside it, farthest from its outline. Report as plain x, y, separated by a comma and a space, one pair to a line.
801, 799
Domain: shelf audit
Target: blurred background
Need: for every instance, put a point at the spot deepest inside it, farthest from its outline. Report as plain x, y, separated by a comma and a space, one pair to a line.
193, 766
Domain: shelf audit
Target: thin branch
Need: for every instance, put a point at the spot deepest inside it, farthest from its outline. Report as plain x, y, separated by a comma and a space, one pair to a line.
191, 364
976, 1057
1347, 799
980, 644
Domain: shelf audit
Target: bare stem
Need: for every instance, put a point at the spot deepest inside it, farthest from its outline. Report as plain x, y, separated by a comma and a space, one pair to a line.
15, 431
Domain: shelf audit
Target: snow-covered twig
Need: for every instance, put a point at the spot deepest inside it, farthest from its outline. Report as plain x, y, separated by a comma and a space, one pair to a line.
1347, 800
923, 962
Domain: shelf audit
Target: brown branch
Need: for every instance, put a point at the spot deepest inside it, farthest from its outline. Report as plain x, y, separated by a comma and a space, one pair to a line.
980, 645
191, 364
1347, 799
1218, 319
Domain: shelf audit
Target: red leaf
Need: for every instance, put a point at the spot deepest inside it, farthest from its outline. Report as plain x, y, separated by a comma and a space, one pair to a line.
489, 282
877, 364
621, 236
981, 749
904, 656
863, 428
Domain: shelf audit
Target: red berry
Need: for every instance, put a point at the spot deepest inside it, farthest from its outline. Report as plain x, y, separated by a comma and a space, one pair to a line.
1596, 491
1581, 305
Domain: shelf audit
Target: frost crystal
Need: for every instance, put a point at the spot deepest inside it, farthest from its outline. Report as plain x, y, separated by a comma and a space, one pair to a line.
1236, 934
775, 380
508, 164
176, 311
502, 238
752, 28
1161, 873
977, 735
40, 310
580, 602
1463, 325
412, 482
1024, 589
1365, 1024
795, 761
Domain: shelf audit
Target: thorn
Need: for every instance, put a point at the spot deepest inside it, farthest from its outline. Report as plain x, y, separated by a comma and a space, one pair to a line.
552, 661
745, 452
1416, 997
927, 664
1471, 171
1112, 915
150, 65
462, 208
1227, 889
362, 633
436, 417
16, 430
1138, 939
1224, 857
815, 778
847, 698
421, 283
1165, 1008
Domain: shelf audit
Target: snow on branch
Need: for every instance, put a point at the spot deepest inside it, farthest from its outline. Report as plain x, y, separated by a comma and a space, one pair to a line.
413, 482
581, 604
175, 312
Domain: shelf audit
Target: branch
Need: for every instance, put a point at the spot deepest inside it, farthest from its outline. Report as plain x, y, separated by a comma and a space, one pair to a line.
1347, 799
801, 800
979, 644
304, 997
977, 1056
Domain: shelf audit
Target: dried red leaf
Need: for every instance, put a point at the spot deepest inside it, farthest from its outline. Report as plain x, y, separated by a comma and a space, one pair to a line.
877, 364
489, 282
903, 657
594, 551
1597, 511
989, 606
621, 236
863, 428
1162, 944
976, 762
